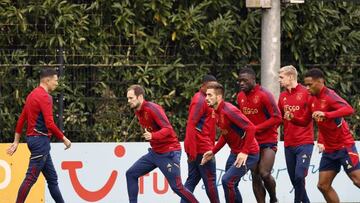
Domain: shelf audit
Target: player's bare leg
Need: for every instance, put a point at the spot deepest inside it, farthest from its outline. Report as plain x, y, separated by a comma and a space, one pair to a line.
355, 177
324, 185
262, 178
258, 186
265, 166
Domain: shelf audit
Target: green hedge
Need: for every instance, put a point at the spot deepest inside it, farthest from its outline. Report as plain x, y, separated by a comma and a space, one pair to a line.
166, 46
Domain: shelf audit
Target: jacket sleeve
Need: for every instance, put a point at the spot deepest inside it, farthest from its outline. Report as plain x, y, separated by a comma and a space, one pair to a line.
46, 109
21, 121
220, 144
273, 112
320, 138
236, 117
162, 121
196, 113
281, 105
306, 117
340, 106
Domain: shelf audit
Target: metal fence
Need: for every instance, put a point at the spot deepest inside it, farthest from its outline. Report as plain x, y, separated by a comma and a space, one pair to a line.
82, 107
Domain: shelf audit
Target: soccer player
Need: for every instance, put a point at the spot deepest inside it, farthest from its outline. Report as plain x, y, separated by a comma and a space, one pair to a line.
165, 151
239, 133
334, 137
298, 140
200, 138
260, 108
37, 112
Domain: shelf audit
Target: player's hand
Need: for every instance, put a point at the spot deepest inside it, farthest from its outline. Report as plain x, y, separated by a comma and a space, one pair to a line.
288, 115
12, 149
67, 143
318, 116
147, 135
207, 157
321, 147
241, 160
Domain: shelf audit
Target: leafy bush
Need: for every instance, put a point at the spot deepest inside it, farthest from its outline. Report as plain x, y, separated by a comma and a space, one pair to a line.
164, 45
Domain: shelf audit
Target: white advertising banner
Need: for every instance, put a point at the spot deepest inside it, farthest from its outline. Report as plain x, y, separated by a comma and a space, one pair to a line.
95, 172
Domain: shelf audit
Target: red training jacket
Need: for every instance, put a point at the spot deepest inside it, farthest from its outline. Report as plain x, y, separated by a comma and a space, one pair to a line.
334, 131
152, 117
260, 108
296, 101
200, 128
236, 130
38, 114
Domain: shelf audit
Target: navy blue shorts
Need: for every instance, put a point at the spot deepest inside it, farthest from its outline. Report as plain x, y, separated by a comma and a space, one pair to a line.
272, 146
347, 157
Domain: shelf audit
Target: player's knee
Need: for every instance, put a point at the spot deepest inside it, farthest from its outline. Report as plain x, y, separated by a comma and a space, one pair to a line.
356, 182
323, 187
177, 188
265, 175
225, 180
256, 176
52, 181
129, 173
31, 179
228, 181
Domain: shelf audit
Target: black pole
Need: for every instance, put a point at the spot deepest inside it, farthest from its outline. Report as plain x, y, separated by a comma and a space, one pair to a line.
60, 61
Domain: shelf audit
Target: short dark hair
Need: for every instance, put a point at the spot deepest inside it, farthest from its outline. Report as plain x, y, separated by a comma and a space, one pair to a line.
208, 78
247, 70
47, 72
219, 89
315, 73
138, 90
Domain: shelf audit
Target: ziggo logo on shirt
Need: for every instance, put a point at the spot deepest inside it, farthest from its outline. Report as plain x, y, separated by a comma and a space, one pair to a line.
291, 108
248, 111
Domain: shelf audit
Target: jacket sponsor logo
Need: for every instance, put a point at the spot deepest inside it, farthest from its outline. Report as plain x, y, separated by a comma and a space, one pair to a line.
248, 111
291, 108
